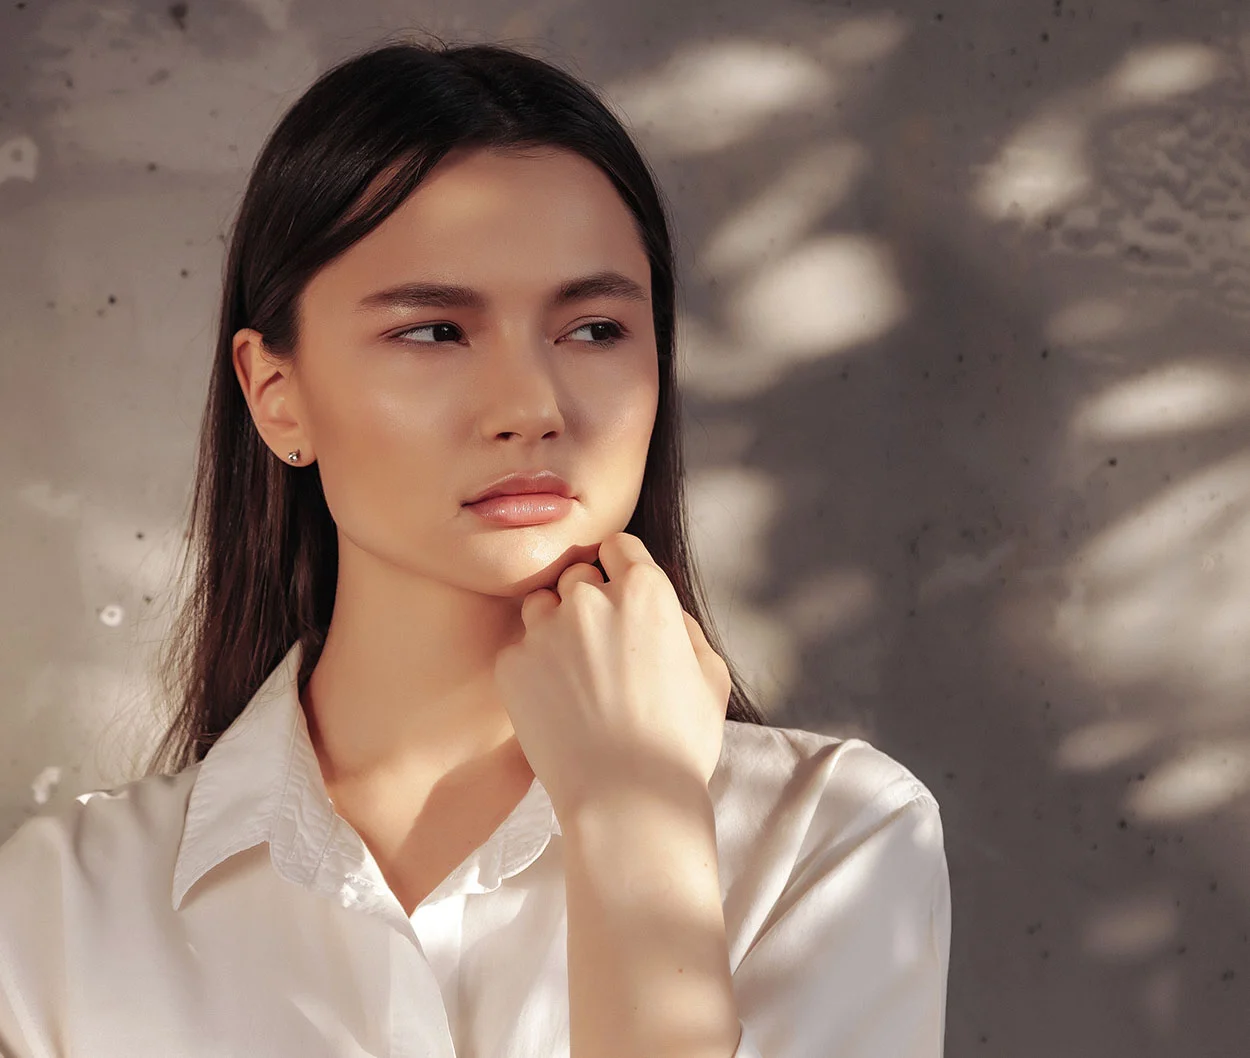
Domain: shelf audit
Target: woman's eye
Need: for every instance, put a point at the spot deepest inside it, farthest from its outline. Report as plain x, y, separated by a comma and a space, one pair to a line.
607, 333
601, 332
447, 331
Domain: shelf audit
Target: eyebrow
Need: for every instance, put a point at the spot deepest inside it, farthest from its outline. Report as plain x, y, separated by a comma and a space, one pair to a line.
605, 284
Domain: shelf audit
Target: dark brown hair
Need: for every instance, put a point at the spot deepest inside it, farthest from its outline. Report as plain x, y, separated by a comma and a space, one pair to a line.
263, 543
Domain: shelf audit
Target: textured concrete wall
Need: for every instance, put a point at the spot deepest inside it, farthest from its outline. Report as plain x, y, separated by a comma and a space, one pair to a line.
966, 291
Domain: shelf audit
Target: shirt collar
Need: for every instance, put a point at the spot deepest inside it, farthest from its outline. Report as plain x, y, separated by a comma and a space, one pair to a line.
261, 782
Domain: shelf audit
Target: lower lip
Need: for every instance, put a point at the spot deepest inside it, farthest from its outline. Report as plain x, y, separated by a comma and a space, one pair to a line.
533, 508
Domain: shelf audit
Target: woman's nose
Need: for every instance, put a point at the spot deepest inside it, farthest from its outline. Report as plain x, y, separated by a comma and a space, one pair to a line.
520, 392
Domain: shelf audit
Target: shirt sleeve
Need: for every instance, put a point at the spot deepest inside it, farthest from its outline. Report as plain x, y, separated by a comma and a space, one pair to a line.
853, 960
31, 939
11, 1043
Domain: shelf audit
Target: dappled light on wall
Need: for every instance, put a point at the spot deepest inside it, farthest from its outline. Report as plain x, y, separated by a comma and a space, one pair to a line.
829, 604
19, 159
829, 295
826, 297
1105, 744
1041, 168
1173, 398
1163, 592
709, 96
1131, 928
809, 188
1157, 74
1045, 166
732, 513
1197, 781
863, 40
1093, 320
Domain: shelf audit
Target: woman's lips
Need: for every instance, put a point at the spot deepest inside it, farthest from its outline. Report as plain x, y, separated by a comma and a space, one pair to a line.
531, 508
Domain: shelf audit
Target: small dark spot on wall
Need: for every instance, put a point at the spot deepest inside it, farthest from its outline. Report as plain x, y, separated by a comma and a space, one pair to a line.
184, 273
1228, 975
1045, 354
1045, 953
158, 76
178, 12
20, 4
1123, 824
1094, 847
51, 304
147, 598
1112, 461
112, 300
99, 312
69, 82
984, 1038
1181, 949
1213, 886
139, 535
938, 16
1045, 38
949, 774
1030, 930
151, 167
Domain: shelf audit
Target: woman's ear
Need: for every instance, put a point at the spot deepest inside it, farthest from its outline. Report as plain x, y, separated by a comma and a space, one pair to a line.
271, 395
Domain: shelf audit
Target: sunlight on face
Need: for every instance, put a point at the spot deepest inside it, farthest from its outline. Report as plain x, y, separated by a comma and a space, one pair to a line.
414, 408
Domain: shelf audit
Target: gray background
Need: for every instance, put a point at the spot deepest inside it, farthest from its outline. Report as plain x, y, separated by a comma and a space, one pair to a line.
965, 286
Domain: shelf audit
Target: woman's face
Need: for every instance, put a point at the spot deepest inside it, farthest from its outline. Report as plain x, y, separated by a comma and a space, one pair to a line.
412, 406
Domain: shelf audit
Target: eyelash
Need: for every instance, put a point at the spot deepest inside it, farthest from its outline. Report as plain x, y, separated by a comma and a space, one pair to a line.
603, 343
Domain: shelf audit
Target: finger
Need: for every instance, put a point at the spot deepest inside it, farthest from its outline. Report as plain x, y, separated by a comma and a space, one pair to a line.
620, 551
537, 604
579, 571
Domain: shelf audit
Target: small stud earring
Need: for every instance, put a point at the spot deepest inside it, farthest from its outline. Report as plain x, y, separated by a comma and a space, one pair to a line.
293, 456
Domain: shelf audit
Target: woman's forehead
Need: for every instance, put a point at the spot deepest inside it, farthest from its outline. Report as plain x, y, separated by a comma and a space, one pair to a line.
487, 218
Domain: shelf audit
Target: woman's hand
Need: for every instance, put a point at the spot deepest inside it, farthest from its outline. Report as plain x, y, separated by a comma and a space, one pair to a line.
612, 680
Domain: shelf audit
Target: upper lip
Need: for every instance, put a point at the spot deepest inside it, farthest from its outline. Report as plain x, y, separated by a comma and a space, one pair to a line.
523, 482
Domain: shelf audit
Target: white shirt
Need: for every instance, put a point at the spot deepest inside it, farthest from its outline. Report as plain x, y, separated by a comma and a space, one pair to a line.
228, 910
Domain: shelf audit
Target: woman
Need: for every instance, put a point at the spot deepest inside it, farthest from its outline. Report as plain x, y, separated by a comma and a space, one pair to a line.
453, 775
